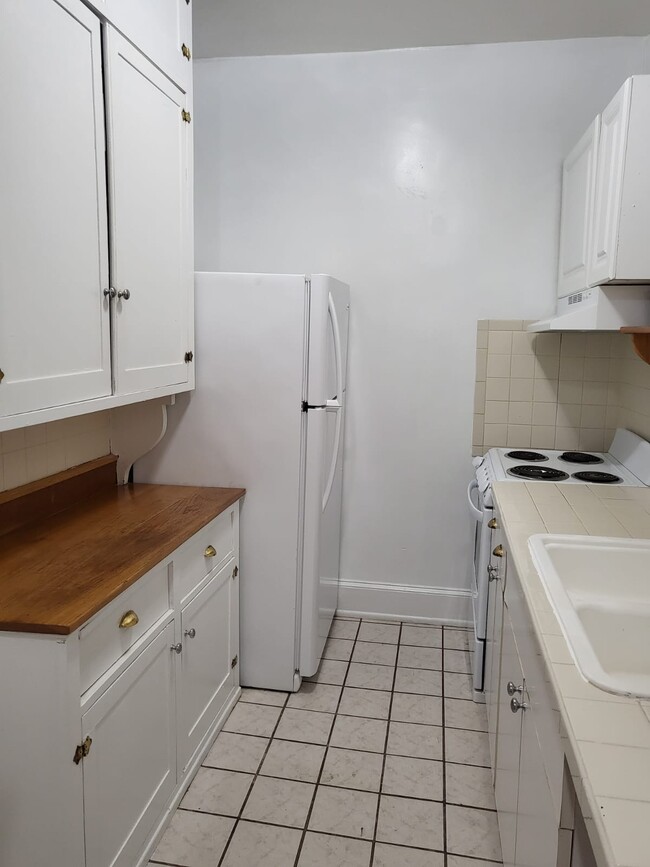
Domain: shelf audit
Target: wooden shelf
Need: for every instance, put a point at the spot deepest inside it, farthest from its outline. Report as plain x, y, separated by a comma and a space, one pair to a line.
640, 340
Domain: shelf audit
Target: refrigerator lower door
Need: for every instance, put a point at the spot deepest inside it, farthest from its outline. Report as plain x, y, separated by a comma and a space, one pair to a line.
322, 531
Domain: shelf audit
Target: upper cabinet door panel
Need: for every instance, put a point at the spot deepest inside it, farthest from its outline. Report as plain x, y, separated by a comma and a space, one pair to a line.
578, 183
149, 189
159, 28
54, 319
609, 187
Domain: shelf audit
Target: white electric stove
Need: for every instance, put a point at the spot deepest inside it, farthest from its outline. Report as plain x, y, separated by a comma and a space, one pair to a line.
626, 463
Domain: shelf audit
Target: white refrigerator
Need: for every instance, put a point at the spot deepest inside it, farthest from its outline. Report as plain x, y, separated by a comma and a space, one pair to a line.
268, 415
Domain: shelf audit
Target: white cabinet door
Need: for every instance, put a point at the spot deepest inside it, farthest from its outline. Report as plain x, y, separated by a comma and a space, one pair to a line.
206, 673
130, 771
609, 187
578, 185
493, 648
160, 28
54, 319
149, 189
506, 783
537, 828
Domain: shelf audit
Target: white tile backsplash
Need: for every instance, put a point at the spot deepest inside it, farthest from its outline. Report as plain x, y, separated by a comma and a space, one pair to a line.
31, 453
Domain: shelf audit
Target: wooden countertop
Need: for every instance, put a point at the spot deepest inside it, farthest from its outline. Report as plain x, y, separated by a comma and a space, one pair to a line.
57, 572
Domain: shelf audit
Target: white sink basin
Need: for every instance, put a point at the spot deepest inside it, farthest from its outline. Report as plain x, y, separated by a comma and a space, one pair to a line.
599, 589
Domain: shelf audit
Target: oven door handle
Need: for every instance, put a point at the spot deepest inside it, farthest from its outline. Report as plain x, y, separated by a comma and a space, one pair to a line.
475, 512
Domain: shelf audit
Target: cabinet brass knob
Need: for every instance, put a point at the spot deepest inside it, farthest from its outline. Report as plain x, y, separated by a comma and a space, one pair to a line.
493, 524
516, 705
498, 551
210, 551
185, 51
129, 619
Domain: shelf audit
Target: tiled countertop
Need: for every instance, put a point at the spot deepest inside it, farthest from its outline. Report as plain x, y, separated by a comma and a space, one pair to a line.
606, 737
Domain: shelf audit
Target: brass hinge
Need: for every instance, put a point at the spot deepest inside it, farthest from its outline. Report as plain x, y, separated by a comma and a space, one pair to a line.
234, 661
187, 117
82, 750
185, 51
235, 572
189, 356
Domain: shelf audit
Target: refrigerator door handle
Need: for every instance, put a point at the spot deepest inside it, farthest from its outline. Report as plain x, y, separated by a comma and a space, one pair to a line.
337, 345
333, 406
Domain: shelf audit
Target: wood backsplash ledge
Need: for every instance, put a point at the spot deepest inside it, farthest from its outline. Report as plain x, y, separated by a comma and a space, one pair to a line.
46, 497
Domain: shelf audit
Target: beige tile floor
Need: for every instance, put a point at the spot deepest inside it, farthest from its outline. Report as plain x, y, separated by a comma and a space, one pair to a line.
380, 761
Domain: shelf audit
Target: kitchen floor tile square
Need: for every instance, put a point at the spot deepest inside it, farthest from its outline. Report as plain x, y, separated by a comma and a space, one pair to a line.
458, 660
269, 845
305, 725
403, 856
221, 792
338, 648
325, 850
420, 657
316, 696
410, 822
418, 741
421, 636
263, 696
293, 760
280, 802
352, 769
418, 680
463, 714
344, 812
344, 629
413, 778
469, 786
252, 719
194, 839
473, 832
372, 651
467, 748
365, 702
330, 671
458, 685
426, 709
456, 639
367, 676
384, 633
233, 752
359, 733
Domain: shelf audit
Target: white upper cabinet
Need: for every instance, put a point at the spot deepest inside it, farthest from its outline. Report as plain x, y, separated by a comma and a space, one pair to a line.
162, 29
578, 185
54, 318
606, 196
150, 227
619, 250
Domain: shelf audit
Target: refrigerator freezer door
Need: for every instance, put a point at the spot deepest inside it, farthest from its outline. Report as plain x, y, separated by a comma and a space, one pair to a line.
322, 531
328, 339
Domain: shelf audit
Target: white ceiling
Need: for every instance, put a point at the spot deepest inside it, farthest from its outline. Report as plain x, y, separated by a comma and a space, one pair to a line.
230, 28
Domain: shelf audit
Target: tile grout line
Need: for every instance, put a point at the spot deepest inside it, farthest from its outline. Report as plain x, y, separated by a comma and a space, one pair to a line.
444, 758
253, 781
383, 762
325, 754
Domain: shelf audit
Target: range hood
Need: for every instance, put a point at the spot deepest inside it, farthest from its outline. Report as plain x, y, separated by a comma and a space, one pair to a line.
602, 308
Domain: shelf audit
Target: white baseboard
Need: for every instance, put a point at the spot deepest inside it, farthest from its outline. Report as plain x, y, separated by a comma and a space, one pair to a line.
405, 601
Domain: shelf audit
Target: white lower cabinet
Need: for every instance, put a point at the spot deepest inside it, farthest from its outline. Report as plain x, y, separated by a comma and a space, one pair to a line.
129, 774
208, 660
107, 725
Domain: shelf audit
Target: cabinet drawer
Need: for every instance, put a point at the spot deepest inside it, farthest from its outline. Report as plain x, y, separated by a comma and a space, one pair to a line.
195, 559
103, 640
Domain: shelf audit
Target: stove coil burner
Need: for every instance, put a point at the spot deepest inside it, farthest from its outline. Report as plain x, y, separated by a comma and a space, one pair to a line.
545, 474
580, 458
526, 456
596, 478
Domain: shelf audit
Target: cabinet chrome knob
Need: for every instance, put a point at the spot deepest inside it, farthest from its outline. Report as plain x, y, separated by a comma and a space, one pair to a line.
498, 551
516, 705
493, 524
493, 573
512, 689
191, 633
125, 294
110, 293
176, 647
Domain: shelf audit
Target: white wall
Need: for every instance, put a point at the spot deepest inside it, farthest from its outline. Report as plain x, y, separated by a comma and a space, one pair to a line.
428, 179
228, 28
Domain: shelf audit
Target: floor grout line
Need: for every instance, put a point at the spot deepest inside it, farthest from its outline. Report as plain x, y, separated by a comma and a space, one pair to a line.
444, 761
